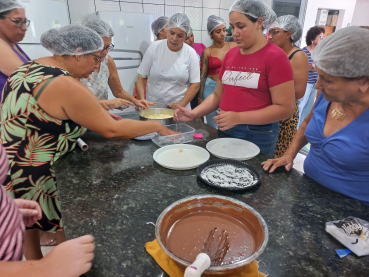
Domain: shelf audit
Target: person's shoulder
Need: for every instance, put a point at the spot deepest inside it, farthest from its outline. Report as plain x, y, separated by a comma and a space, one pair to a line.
233, 52
274, 50
157, 45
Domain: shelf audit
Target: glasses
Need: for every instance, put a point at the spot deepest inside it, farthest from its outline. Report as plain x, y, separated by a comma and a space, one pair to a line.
273, 32
98, 58
321, 37
19, 22
109, 48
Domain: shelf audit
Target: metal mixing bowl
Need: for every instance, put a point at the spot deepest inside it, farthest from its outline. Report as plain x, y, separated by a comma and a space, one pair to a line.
166, 121
199, 203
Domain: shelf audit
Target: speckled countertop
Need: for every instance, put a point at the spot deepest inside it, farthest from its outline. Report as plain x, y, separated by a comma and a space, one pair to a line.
112, 190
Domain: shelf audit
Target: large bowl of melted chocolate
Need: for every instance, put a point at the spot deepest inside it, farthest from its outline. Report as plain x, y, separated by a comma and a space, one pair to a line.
183, 228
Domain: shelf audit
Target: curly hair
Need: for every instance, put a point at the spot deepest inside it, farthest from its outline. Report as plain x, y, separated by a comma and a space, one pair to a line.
313, 33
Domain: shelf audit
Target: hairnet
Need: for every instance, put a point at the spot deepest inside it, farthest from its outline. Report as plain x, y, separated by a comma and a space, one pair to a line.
181, 21
256, 9
190, 31
344, 53
289, 22
99, 26
72, 40
214, 22
8, 5
159, 24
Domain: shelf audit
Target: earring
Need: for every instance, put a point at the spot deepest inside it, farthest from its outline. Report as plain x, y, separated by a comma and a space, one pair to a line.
78, 58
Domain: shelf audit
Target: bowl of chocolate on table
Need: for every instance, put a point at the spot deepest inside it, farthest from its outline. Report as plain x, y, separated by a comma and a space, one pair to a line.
184, 228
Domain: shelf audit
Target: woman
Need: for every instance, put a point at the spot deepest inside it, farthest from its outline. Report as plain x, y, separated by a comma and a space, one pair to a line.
105, 73
44, 111
254, 90
71, 258
13, 27
284, 33
190, 40
171, 66
211, 62
338, 126
159, 27
313, 37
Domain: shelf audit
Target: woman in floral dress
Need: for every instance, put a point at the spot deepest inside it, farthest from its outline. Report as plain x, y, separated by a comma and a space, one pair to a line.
44, 109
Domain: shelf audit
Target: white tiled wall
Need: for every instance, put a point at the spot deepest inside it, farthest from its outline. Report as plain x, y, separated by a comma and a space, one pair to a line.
198, 11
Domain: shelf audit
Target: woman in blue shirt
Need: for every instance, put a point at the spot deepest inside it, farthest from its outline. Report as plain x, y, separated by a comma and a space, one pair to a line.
338, 126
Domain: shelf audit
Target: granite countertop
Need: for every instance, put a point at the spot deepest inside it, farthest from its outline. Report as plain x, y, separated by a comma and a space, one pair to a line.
115, 188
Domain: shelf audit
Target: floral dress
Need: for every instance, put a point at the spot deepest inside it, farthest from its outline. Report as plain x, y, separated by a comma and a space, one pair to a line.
34, 140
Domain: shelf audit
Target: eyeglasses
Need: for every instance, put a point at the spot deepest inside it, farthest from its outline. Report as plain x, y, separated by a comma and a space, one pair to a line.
19, 22
273, 32
321, 37
109, 48
98, 58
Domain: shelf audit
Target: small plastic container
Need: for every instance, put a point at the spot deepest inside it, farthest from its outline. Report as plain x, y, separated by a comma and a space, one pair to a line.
185, 135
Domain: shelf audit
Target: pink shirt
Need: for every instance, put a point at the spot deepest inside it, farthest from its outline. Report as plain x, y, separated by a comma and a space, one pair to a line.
11, 221
199, 47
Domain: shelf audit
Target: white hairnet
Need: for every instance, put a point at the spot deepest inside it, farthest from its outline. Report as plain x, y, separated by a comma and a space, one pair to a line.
344, 53
190, 31
159, 24
214, 22
256, 9
289, 22
181, 21
72, 40
99, 26
8, 5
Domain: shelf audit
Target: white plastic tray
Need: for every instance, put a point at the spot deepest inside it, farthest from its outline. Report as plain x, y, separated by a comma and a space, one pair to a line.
191, 157
232, 148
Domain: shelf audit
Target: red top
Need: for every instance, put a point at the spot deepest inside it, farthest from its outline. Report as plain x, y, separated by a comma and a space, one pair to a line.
247, 78
214, 65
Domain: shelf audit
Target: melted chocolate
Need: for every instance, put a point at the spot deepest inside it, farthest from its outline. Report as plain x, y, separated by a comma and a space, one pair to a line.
185, 228
187, 236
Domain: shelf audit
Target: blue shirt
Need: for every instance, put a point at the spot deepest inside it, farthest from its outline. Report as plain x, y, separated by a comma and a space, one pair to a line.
313, 75
341, 161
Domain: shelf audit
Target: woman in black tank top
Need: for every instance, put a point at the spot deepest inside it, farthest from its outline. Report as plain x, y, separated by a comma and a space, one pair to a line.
284, 33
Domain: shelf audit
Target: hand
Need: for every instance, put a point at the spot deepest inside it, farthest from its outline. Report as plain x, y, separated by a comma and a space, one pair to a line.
226, 120
286, 161
144, 104
164, 131
173, 106
71, 258
30, 210
116, 117
183, 114
115, 103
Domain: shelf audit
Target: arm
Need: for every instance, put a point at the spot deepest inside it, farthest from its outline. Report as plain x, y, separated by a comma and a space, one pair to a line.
140, 85
144, 71
297, 143
23, 269
190, 94
114, 82
204, 72
300, 69
65, 98
9, 59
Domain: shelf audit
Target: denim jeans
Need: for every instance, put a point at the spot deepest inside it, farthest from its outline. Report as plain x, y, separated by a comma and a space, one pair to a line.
208, 90
264, 136
306, 102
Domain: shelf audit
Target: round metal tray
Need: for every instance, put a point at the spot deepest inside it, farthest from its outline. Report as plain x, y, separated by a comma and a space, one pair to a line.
214, 163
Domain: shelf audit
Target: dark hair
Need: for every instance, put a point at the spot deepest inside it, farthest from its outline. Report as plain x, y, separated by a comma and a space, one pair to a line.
313, 33
3, 14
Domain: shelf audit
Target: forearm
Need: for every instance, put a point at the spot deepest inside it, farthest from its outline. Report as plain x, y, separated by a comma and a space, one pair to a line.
190, 94
270, 114
23, 269
210, 104
127, 128
124, 95
140, 86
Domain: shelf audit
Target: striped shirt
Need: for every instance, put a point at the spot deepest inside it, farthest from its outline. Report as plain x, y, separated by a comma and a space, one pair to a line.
313, 75
11, 221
